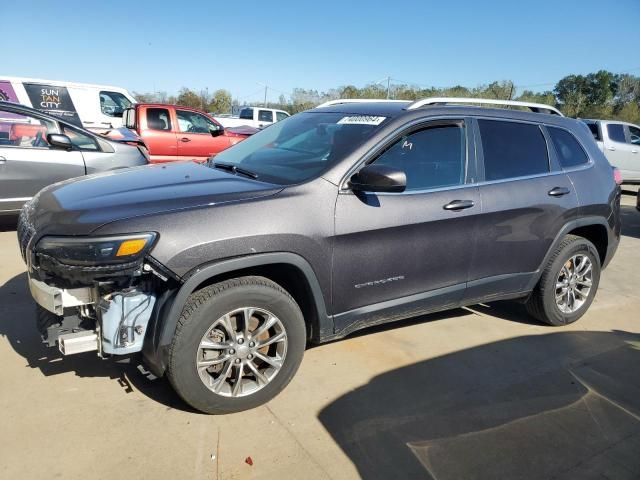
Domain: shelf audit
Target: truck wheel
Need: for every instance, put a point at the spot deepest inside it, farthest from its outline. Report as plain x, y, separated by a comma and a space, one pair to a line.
237, 344
568, 284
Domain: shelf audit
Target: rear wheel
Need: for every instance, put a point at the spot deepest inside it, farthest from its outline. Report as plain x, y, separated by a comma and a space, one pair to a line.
568, 284
237, 344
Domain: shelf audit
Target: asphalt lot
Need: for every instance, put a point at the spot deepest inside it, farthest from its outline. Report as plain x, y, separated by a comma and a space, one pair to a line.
483, 393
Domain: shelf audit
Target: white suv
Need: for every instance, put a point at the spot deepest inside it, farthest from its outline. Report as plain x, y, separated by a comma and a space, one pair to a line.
620, 142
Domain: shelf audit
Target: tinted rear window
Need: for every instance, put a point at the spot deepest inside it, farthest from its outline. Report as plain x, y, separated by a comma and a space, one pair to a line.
512, 149
616, 132
569, 151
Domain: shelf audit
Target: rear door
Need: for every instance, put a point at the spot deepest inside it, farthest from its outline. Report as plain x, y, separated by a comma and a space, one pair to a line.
27, 162
616, 148
410, 251
633, 165
157, 130
195, 141
526, 199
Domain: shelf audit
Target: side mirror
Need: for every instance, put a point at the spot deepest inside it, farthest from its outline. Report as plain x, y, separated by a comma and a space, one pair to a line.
117, 112
59, 141
216, 130
378, 178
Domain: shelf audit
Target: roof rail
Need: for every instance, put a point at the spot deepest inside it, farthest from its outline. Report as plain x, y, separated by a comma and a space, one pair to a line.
358, 100
534, 107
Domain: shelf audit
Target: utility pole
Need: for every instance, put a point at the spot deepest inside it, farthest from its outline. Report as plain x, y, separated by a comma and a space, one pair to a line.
266, 87
388, 87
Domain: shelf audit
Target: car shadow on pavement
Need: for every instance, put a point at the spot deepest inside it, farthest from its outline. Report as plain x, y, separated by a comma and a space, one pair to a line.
17, 324
560, 405
630, 221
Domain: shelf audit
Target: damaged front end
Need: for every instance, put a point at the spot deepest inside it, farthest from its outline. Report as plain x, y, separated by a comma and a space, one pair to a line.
95, 293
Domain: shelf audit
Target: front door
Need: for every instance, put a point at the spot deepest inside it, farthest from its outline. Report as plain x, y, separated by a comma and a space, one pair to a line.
617, 150
195, 141
27, 162
399, 254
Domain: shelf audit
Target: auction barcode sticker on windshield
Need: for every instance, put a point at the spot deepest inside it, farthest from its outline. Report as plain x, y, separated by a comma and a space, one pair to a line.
361, 120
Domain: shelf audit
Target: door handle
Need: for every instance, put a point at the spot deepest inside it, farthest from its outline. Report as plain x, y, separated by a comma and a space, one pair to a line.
634, 151
456, 205
558, 191
185, 139
3, 160
613, 149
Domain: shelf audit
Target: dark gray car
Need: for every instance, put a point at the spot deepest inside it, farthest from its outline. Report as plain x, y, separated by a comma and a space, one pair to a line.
341, 217
37, 149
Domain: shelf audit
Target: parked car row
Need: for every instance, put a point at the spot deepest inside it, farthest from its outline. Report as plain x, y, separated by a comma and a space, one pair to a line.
168, 132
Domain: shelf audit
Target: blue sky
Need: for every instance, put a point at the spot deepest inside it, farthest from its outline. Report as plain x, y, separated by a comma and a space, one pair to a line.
146, 46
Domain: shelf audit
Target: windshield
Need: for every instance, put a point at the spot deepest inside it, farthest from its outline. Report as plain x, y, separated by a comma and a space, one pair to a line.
300, 147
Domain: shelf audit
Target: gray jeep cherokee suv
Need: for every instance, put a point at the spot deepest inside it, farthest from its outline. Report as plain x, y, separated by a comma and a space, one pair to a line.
348, 215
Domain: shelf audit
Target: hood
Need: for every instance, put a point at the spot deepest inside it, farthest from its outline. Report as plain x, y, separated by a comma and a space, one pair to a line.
79, 206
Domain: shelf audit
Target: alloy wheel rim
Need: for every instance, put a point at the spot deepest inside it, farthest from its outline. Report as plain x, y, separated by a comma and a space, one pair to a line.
574, 283
241, 352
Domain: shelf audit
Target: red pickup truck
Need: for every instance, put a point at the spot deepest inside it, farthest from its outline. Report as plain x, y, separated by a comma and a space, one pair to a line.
172, 132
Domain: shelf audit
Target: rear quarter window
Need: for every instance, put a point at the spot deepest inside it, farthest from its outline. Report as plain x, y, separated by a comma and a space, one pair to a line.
569, 151
512, 149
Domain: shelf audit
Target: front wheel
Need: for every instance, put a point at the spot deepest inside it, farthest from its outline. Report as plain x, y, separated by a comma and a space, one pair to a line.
237, 344
568, 284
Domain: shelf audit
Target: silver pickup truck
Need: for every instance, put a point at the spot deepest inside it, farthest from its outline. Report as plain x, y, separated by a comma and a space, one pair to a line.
620, 142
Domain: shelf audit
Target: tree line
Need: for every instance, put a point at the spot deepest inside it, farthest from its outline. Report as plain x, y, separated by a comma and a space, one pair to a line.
602, 94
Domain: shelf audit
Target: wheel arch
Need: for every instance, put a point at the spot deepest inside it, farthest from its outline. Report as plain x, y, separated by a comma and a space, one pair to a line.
595, 229
291, 271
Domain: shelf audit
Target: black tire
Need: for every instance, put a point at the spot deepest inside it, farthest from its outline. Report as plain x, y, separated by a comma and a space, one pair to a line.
542, 302
201, 310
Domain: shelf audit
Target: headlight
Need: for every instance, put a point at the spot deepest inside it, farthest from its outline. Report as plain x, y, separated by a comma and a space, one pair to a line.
98, 250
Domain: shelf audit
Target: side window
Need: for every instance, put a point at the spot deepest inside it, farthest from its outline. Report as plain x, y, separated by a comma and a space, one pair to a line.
246, 114
25, 131
512, 149
281, 116
569, 151
192, 122
431, 158
634, 135
265, 116
158, 119
79, 139
113, 104
616, 132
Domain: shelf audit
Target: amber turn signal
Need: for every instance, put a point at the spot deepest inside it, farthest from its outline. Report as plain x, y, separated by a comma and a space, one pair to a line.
131, 247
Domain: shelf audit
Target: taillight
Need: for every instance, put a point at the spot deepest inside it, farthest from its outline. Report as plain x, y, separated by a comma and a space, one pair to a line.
617, 176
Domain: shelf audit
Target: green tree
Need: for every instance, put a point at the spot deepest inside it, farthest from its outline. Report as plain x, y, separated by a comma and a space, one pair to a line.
220, 102
188, 98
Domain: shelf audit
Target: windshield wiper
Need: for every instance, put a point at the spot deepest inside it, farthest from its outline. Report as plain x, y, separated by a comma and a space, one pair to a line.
235, 169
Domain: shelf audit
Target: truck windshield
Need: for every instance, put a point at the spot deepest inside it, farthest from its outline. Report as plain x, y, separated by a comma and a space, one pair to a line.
300, 147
